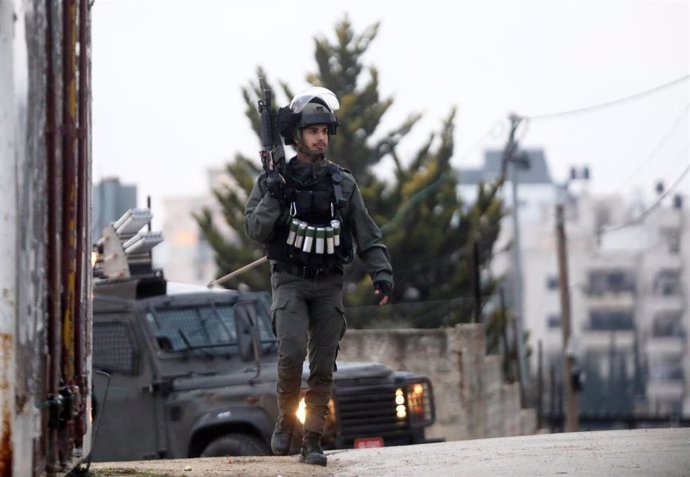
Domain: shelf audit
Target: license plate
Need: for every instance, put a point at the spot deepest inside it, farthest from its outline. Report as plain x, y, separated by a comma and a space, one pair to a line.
368, 442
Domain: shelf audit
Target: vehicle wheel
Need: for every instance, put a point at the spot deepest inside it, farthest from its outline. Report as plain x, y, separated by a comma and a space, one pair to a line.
235, 444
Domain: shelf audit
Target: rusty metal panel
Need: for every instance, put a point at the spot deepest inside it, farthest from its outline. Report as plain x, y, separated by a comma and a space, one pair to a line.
30, 268
44, 113
12, 100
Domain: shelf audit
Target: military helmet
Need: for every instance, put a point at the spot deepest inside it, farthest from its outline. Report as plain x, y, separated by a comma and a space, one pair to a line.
317, 112
315, 105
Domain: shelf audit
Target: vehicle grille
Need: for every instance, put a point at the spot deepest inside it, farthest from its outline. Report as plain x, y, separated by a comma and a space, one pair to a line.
367, 411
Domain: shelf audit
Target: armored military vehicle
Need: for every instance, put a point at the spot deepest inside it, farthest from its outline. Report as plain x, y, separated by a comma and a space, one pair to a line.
185, 371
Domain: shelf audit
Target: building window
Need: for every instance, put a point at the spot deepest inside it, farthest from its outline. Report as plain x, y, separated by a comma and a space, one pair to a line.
668, 324
602, 216
667, 283
611, 281
552, 282
611, 320
553, 321
667, 370
671, 238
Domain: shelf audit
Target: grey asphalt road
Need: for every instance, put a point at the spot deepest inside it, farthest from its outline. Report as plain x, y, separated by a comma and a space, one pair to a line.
647, 452
629, 453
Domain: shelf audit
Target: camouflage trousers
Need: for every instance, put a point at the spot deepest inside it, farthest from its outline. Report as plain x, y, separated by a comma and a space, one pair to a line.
308, 317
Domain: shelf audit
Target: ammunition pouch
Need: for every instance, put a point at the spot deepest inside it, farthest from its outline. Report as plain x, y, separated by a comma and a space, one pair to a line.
315, 236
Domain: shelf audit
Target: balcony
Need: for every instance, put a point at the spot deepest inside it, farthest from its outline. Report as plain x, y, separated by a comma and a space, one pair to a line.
609, 327
656, 304
666, 378
602, 340
665, 260
611, 299
665, 390
611, 289
666, 381
667, 333
667, 282
616, 283
663, 345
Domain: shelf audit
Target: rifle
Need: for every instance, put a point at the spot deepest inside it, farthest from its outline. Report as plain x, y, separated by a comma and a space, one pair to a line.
272, 152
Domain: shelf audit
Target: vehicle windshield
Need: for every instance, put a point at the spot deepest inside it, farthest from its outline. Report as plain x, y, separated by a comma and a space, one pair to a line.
209, 327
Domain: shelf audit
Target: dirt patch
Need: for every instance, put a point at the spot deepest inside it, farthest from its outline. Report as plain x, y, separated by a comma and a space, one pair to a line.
214, 467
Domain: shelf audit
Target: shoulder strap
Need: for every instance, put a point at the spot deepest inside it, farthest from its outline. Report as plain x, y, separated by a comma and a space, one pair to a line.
337, 181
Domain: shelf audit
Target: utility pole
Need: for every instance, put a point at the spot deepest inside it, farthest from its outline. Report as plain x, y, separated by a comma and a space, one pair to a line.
476, 282
514, 160
571, 409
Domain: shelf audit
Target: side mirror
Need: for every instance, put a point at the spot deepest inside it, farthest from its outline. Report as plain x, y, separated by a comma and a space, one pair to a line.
248, 333
164, 343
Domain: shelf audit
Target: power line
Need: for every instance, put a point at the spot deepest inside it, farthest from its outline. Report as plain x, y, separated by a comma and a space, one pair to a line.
647, 159
656, 203
609, 103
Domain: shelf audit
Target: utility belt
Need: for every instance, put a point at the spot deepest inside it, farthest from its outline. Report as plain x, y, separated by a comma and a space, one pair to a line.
317, 239
304, 270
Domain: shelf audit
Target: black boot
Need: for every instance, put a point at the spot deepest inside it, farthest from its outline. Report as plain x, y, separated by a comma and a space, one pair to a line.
282, 435
311, 449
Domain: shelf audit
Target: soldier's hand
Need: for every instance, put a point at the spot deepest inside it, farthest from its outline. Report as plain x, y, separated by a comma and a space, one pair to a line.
274, 184
384, 289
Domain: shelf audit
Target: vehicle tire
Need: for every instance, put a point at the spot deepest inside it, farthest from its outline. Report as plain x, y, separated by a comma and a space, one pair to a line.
237, 445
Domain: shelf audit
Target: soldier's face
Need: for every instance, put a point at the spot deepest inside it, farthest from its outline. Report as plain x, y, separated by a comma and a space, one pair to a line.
315, 138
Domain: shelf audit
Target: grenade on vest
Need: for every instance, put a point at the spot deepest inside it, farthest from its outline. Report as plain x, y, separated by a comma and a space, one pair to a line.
301, 233
320, 240
309, 239
336, 232
292, 235
330, 243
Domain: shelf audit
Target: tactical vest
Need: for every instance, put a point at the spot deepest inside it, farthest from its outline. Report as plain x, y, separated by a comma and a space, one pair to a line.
315, 234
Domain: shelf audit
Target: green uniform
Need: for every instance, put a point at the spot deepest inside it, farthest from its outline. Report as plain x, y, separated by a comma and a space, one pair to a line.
308, 312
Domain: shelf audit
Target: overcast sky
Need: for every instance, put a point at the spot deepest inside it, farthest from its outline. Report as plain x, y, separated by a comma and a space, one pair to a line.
167, 79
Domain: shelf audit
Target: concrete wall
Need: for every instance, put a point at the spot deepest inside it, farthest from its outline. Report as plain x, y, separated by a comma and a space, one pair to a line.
471, 399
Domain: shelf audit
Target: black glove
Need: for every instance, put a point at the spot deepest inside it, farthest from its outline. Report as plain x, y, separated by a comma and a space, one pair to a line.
274, 184
384, 289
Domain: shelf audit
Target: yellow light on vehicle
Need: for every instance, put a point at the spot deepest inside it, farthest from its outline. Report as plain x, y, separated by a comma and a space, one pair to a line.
399, 399
301, 411
331, 411
400, 410
417, 402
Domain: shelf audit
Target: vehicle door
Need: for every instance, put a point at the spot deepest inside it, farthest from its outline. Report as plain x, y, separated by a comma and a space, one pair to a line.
125, 424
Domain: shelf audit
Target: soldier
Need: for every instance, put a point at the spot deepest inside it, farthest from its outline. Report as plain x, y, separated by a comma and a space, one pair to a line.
310, 216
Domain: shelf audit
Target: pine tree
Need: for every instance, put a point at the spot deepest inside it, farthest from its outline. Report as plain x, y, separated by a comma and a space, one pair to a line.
432, 236
232, 248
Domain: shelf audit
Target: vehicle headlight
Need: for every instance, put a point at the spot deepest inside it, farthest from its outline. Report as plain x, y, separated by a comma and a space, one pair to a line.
420, 402
400, 409
301, 412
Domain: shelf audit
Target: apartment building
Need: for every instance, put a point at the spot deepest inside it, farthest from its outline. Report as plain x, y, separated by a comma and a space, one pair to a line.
185, 255
110, 199
629, 282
